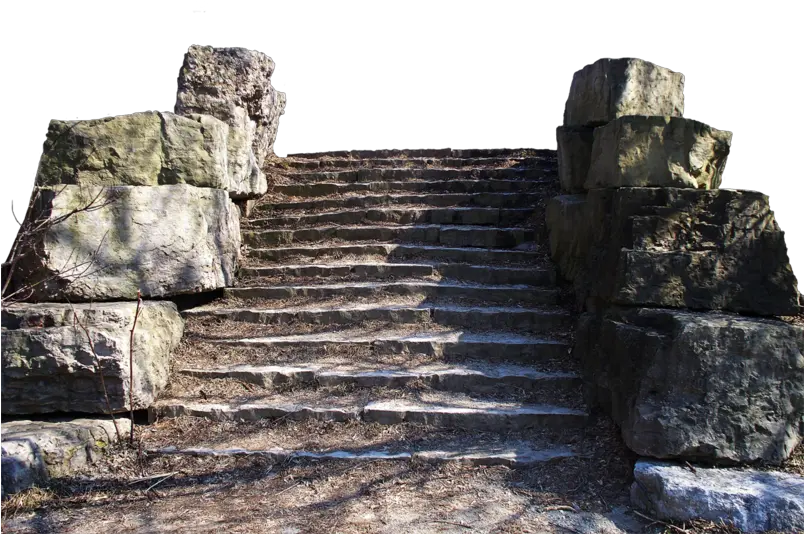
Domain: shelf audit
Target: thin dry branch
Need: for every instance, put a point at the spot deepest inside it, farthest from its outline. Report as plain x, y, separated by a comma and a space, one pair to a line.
131, 365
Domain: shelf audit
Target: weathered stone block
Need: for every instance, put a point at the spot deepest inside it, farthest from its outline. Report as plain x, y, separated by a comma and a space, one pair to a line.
161, 241
658, 152
48, 364
611, 88
687, 248
750, 500
570, 235
149, 148
695, 386
574, 156
35, 451
234, 85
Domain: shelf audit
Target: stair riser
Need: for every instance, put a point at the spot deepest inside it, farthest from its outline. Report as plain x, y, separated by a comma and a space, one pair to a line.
547, 164
404, 174
549, 388
370, 155
489, 352
476, 256
474, 216
451, 237
458, 272
480, 200
485, 294
456, 186
476, 420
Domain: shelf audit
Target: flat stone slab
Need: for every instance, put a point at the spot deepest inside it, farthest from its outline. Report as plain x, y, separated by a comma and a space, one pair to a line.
519, 455
401, 174
48, 364
658, 152
753, 501
35, 451
611, 88
160, 240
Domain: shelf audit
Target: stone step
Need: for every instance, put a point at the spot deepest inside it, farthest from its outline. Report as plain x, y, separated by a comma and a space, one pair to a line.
533, 320
284, 164
455, 236
513, 455
435, 409
374, 174
323, 189
408, 216
394, 251
428, 290
484, 200
429, 153
483, 274
455, 344
474, 377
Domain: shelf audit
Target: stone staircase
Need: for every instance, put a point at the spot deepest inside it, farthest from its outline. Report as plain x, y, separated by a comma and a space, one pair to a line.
403, 288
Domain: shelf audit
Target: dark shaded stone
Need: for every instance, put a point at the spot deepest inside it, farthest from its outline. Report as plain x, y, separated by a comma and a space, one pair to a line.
568, 224
574, 156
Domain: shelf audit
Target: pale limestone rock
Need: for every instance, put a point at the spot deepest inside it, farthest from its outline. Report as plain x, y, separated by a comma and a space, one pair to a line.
751, 500
612, 88
48, 364
234, 85
147, 149
161, 241
658, 152
35, 451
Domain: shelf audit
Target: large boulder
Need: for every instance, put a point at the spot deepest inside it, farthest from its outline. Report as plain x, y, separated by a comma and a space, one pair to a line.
711, 387
570, 236
234, 85
611, 88
657, 152
574, 156
148, 149
750, 500
108, 243
49, 366
687, 248
35, 451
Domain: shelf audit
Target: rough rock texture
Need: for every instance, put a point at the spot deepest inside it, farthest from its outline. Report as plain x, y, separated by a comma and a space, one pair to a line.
711, 386
753, 501
719, 249
34, 451
657, 152
568, 225
611, 88
162, 241
574, 156
234, 85
48, 365
148, 148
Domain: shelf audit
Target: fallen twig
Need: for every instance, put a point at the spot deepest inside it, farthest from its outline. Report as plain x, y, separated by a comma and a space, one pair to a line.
463, 525
654, 520
131, 366
155, 484
98, 370
151, 477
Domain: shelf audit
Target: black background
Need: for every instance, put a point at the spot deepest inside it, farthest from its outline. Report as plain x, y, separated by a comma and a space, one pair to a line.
367, 96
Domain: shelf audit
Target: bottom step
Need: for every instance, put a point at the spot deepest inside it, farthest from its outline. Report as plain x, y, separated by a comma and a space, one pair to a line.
517, 455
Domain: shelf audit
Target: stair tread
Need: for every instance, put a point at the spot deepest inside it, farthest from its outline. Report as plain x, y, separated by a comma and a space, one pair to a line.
219, 308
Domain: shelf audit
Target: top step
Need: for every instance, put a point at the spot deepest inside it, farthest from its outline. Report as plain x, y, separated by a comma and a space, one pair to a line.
429, 153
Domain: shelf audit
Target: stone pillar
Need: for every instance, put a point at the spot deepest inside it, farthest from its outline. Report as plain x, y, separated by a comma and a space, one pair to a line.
672, 273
